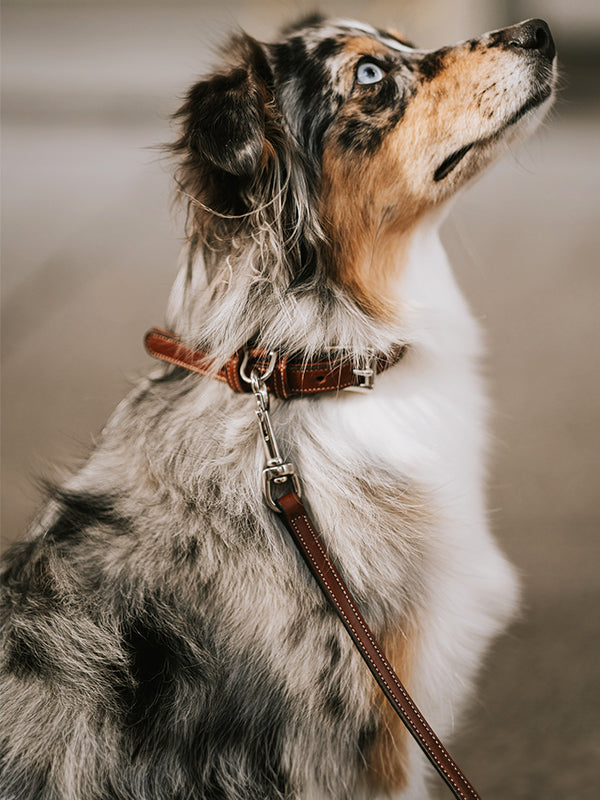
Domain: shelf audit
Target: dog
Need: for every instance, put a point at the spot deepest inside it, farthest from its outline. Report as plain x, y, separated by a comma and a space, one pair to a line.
162, 639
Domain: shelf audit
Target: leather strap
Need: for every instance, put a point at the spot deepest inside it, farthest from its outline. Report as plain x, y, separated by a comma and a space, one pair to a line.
290, 377
313, 550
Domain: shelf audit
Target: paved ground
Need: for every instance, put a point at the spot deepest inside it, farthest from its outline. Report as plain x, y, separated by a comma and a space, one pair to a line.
88, 257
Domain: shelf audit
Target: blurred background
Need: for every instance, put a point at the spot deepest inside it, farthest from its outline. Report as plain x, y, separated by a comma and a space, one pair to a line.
88, 256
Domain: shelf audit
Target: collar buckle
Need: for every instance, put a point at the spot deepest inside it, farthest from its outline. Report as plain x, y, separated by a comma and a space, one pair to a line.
366, 373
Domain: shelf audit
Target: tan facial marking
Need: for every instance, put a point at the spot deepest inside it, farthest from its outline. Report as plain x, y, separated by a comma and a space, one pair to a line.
457, 107
370, 219
388, 759
399, 36
371, 204
365, 46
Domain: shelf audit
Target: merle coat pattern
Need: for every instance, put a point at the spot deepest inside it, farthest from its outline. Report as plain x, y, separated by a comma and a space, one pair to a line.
161, 638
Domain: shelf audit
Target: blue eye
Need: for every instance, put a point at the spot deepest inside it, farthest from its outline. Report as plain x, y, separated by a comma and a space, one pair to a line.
368, 72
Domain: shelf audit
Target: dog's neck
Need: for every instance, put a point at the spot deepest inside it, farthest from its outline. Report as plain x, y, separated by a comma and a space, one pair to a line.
431, 309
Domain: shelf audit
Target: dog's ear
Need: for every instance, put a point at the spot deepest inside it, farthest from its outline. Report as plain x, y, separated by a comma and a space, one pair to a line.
240, 170
224, 116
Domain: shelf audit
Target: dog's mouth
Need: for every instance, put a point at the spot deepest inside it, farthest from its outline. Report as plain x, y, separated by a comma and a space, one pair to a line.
453, 160
446, 167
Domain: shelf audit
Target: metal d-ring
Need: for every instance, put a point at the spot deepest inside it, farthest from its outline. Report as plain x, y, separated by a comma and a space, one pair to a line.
266, 374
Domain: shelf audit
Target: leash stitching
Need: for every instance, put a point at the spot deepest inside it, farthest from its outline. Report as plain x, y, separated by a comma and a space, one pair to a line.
384, 660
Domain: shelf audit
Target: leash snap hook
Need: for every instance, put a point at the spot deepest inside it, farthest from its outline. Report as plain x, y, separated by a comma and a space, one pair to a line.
276, 471
279, 473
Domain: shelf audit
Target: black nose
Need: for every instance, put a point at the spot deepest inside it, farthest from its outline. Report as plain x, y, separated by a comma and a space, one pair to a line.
533, 34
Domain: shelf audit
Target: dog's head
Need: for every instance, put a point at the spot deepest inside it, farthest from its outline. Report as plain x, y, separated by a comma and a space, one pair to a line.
348, 137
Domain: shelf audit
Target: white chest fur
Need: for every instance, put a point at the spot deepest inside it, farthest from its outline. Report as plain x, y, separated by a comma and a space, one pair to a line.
425, 421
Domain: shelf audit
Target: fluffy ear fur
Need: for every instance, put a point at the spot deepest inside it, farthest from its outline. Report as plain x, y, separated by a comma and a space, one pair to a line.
224, 116
241, 171
227, 122
229, 128
232, 144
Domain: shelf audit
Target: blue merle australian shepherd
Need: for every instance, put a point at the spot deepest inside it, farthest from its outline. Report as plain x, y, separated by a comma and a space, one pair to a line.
162, 639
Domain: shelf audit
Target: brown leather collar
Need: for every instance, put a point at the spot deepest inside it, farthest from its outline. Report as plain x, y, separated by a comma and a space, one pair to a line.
291, 375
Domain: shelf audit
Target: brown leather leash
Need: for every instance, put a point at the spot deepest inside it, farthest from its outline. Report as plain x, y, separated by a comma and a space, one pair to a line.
283, 377
314, 552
